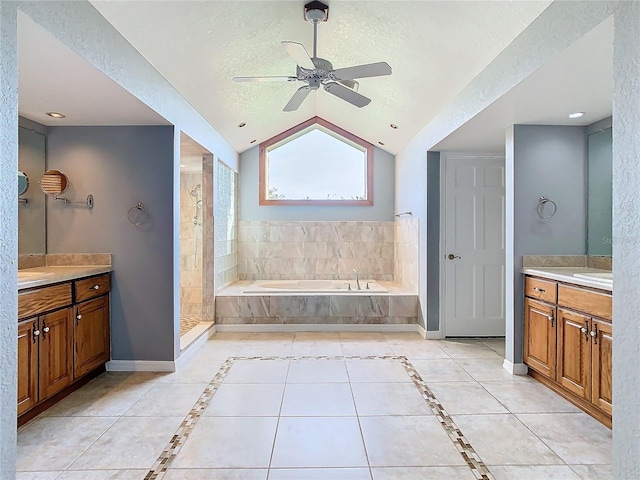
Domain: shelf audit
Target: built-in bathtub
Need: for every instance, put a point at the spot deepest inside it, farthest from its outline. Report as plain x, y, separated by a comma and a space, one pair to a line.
334, 287
304, 303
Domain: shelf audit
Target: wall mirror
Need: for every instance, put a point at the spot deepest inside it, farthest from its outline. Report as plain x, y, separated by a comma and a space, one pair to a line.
32, 212
54, 182
599, 193
23, 182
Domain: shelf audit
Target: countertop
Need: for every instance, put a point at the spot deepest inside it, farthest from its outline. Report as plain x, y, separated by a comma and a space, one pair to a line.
27, 277
566, 274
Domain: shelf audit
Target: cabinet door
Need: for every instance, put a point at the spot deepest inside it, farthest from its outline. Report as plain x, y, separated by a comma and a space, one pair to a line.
91, 335
27, 364
56, 367
601, 363
574, 352
540, 337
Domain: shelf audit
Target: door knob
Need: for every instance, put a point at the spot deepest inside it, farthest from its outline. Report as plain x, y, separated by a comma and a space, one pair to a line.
451, 256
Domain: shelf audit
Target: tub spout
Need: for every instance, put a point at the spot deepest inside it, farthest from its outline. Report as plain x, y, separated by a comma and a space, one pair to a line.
357, 279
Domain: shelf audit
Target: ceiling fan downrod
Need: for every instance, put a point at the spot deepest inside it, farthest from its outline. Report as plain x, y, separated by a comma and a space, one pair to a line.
316, 12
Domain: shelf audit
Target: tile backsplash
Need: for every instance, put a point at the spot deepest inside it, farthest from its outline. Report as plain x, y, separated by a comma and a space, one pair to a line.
278, 250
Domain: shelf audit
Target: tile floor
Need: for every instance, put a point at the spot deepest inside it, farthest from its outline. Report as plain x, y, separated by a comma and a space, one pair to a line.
321, 406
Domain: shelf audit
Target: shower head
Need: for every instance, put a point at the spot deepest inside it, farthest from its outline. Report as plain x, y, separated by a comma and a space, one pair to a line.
195, 190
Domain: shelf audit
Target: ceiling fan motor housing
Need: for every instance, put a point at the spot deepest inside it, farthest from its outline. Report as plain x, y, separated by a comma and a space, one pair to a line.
317, 11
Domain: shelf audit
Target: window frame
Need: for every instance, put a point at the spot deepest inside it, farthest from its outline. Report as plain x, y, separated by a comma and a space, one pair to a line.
333, 130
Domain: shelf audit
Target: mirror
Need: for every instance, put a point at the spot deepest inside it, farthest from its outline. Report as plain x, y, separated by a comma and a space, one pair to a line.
31, 214
54, 182
23, 183
599, 193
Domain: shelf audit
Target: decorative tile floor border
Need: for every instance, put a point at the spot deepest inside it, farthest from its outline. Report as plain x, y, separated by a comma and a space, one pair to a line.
466, 450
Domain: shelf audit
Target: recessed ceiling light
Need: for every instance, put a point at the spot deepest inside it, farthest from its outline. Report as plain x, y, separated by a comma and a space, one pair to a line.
576, 115
182, 165
56, 114
253, 141
241, 125
394, 126
381, 143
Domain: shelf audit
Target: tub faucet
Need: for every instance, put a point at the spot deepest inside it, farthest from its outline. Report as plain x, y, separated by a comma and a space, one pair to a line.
357, 279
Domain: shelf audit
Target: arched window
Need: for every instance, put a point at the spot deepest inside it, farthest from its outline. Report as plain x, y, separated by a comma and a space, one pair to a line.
316, 163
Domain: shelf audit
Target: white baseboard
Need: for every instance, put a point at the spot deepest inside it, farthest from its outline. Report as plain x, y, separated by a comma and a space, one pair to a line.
433, 335
321, 327
515, 368
140, 366
422, 332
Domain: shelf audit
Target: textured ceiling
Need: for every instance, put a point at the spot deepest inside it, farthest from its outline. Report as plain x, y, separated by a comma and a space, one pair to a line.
434, 48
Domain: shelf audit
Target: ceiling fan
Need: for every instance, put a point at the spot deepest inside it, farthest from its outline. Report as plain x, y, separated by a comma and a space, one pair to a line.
316, 72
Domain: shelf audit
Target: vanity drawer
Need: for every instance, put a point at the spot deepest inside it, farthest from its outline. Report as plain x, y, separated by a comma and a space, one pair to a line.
541, 289
92, 287
41, 300
587, 301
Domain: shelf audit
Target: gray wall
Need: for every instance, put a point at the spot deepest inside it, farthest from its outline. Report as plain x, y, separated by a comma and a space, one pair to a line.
121, 166
433, 241
545, 161
383, 193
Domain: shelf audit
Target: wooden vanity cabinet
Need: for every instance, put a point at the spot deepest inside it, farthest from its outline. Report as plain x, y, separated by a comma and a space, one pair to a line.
540, 337
571, 352
59, 346
91, 335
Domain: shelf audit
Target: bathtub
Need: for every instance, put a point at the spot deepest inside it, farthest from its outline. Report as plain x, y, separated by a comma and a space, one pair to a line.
334, 287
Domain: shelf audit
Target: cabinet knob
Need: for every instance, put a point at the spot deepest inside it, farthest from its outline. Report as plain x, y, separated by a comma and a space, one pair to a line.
96, 287
538, 289
583, 330
36, 333
79, 317
46, 329
593, 333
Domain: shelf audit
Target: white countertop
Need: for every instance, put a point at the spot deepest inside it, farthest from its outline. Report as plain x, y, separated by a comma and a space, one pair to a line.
566, 274
42, 276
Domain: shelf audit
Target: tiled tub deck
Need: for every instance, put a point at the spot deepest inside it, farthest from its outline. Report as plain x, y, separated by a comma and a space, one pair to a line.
395, 307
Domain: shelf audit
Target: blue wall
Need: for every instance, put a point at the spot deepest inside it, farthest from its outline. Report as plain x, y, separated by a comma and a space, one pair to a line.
121, 166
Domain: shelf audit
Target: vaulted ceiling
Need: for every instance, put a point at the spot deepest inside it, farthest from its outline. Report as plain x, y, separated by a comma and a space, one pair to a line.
435, 48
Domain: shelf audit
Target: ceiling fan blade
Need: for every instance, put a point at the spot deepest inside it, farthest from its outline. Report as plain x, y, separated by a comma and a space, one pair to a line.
362, 71
347, 94
281, 78
297, 99
299, 54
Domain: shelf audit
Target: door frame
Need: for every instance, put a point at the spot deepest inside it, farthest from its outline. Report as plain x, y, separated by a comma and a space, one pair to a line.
442, 263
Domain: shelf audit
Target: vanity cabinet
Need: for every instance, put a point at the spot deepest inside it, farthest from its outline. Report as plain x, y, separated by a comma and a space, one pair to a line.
63, 335
568, 342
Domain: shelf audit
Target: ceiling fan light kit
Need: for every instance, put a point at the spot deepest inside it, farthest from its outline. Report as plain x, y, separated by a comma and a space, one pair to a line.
317, 72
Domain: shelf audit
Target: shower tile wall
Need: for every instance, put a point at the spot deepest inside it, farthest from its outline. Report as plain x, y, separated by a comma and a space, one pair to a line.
315, 250
226, 226
190, 245
406, 253
208, 266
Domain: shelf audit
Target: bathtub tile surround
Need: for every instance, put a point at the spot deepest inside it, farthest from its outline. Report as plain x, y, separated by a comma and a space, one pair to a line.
343, 309
405, 241
280, 250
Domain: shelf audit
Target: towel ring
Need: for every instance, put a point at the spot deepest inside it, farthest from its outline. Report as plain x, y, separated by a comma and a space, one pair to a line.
542, 201
138, 215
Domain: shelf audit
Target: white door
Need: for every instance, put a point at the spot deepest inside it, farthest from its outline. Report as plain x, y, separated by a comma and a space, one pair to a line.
474, 241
